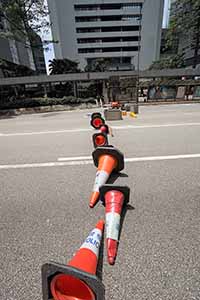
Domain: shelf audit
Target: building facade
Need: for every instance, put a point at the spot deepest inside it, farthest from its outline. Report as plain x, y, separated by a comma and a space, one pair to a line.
21, 52
90, 29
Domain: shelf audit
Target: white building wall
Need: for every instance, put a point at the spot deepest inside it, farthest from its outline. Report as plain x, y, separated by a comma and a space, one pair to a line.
64, 27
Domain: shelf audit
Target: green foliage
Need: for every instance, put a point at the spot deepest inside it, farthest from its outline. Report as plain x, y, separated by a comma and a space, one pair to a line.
24, 16
98, 65
172, 62
37, 102
13, 70
186, 23
63, 66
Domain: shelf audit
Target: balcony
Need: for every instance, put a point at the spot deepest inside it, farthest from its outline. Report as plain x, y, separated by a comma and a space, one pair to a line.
84, 2
108, 23
108, 54
99, 12
103, 45
106, 34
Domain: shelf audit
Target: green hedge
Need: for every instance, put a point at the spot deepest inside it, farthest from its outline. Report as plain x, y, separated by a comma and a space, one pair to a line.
36, 102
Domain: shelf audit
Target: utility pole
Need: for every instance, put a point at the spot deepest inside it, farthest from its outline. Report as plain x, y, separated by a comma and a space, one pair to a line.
136, 110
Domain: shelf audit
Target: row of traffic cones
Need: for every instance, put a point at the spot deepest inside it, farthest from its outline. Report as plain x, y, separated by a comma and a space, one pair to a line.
108, 159
78, 280
101, 137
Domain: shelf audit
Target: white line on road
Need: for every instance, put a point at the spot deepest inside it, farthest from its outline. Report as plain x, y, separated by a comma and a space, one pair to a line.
45, 132
48, 164
75, 158
71, 161
77, 130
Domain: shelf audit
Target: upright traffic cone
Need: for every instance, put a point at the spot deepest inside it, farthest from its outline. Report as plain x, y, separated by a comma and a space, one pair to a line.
114, 198
77, 280
107, 159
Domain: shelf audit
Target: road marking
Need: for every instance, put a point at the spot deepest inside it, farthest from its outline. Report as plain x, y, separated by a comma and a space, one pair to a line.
71, 161
45, 132
74, 158
155, 126
48, 164
168, 157
77, 130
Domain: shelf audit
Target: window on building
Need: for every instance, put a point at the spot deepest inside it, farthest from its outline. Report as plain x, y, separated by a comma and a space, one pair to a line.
106, 6
108, 49
132, 5
107, 29
108, 39
90, 29
107, 18
131, 17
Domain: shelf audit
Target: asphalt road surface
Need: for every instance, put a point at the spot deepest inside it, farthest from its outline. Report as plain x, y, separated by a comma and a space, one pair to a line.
47, 176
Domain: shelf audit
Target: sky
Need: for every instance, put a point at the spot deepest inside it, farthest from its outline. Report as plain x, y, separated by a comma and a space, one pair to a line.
50, 53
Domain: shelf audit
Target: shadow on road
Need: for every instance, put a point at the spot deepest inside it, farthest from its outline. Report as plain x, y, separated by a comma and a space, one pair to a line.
115, 176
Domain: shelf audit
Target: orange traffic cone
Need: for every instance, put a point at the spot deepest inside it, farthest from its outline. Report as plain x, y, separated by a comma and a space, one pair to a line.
100, 139
77, 280
95, 114
114, 198
104, 129
97, 121
107, 159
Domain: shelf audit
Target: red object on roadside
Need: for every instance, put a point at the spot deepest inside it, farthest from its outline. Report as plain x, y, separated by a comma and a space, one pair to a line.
115, 104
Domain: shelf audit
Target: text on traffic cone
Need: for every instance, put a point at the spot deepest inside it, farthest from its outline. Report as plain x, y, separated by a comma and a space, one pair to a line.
77, 280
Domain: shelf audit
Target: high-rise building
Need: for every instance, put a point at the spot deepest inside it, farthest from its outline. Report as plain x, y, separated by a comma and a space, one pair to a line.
21, 52
115, 29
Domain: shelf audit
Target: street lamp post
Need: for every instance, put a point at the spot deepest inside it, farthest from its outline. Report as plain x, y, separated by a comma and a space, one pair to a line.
138, 62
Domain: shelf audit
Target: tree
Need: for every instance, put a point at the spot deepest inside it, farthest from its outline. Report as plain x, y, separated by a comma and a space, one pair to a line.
63, 66
98, 65
172, 62
24, 18
185, 23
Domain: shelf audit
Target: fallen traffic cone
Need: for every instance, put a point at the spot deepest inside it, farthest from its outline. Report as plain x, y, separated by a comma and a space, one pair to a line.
107, 159
77, 280
114, 199
100, 139
133, 115
95, 114
104, 128
97, 122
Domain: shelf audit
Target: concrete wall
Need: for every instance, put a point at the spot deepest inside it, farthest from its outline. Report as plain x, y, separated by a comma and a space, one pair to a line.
151, 32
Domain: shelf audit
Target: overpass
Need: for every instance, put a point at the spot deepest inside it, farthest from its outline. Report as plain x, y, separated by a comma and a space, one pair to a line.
45, 79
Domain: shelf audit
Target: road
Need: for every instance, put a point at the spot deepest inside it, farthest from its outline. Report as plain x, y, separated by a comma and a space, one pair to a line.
45, 188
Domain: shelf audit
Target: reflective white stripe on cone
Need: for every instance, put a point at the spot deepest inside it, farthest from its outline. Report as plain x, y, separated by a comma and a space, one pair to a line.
112, 225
